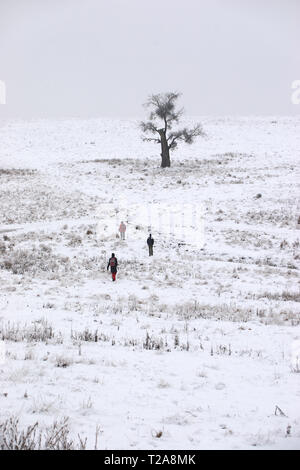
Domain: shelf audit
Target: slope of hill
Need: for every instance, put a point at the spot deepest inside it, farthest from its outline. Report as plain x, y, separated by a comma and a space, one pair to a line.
193, 348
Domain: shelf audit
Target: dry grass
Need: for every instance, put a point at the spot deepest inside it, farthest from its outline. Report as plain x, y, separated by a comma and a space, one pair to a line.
38, 331
55, 437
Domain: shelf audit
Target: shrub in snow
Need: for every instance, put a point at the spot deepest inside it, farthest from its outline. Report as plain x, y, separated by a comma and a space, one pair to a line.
29, 356
37, 331
284, 244
33, 261
63, 362
74, 240
87, 404
87, 335
55, 437
279, 217
153, 343
284, 295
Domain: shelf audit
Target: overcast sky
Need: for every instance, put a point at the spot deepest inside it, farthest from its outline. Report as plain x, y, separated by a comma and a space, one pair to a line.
103, 58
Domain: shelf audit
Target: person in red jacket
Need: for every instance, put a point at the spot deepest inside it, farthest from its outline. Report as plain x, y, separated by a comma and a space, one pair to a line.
122, 230
113, 264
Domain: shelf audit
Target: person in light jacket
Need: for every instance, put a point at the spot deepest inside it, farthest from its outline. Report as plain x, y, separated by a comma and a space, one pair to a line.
122, 230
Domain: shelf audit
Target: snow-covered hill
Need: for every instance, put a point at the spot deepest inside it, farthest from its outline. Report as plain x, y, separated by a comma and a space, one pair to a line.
193, 348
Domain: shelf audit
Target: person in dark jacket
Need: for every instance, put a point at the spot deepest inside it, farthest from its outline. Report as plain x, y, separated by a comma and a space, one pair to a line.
150, 243
112, 264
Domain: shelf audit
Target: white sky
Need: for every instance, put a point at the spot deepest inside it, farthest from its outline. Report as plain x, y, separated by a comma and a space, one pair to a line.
104, 57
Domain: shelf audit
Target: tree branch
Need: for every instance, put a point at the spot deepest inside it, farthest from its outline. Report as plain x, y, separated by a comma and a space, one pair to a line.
185, 135
148, 127
151, 139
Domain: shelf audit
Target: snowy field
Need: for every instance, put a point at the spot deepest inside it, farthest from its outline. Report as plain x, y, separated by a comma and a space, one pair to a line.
189, 349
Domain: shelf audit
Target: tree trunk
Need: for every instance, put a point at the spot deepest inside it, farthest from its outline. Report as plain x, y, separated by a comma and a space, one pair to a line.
165, 153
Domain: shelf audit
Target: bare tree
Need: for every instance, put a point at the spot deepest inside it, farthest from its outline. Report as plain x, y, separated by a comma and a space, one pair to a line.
163, 112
